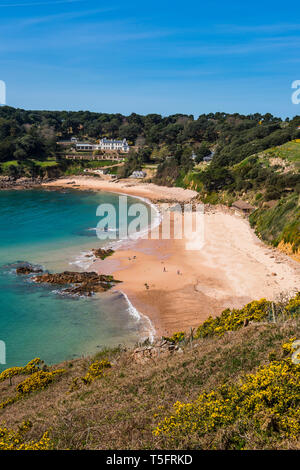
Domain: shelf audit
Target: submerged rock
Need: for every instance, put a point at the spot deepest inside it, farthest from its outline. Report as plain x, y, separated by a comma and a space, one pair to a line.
85, 283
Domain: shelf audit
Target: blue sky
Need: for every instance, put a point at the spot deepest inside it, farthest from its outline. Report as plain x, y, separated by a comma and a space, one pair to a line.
162, 56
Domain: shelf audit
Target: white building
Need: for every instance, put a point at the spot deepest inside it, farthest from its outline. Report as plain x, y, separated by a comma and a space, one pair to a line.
85, 146
138, 174
121, 145
104, 144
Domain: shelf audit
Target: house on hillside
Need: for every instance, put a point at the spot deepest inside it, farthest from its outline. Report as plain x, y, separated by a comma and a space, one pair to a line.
243, 206
112, 144
104, 144
85, 147
209, 158
138, 174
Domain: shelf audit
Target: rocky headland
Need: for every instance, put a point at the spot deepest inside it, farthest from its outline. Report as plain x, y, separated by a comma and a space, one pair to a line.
9, 182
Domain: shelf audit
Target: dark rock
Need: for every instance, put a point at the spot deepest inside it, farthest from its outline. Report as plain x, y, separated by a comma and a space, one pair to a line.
85, 283
102, 254
28, 270
9, 182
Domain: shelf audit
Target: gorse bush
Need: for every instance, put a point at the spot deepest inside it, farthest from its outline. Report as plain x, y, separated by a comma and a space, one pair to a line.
95, 371
15, 440
176, 337
32, 366
37, 380
256, 311
293, 306
230, 320
266, 402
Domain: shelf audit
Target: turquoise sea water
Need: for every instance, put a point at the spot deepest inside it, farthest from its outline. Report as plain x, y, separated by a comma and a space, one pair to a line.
55, 229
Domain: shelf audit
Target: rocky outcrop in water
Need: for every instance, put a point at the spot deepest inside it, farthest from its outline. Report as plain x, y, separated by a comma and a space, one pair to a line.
101, 253
85, 283
28, 269
9, 182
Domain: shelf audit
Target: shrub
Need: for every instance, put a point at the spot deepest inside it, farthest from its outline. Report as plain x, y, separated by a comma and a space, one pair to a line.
37, 381
31, 367
230, 320
293, 306
14, 440
267, 399
176, 338
95, 371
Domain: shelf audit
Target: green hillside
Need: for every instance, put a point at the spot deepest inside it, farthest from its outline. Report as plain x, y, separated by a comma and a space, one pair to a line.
279, 223
288, 152
269, 180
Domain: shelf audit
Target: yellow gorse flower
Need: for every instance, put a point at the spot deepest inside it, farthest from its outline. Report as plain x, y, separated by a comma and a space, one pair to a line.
14, 440
95, 371
256, 311
271, 395
37, 380
32, 366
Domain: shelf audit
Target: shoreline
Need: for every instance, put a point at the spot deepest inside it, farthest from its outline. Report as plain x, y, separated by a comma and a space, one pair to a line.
126, 187
232, 269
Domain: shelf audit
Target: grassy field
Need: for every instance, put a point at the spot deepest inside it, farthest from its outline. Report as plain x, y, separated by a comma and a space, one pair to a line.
289, 151
46, 163
100, 163
41, 163
6, 165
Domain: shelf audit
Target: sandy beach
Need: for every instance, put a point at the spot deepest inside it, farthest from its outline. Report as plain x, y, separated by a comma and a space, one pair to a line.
131, 187
179, 288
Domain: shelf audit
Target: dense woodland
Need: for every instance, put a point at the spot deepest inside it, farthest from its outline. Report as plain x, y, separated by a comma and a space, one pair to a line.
29, 136
33, 134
